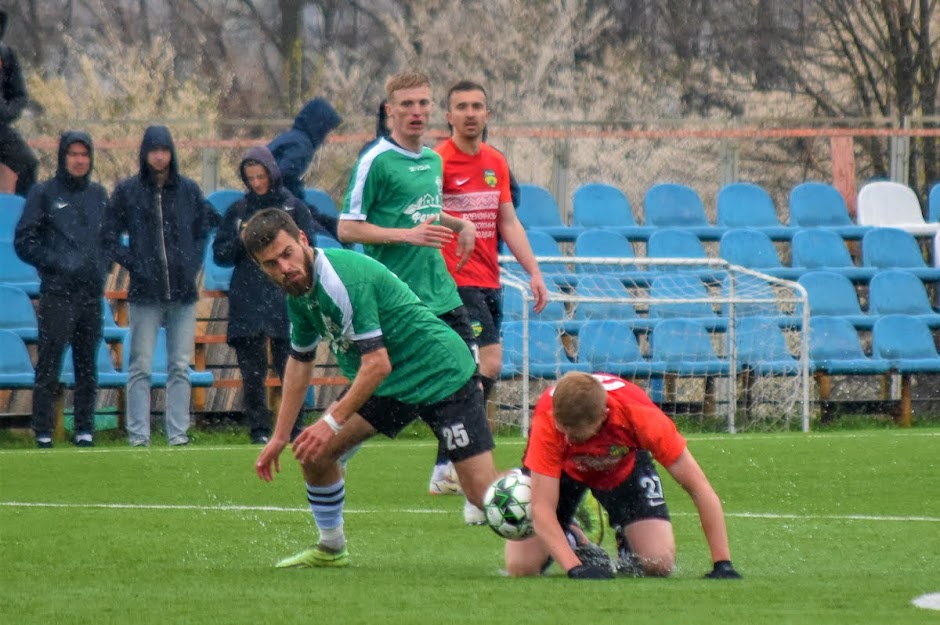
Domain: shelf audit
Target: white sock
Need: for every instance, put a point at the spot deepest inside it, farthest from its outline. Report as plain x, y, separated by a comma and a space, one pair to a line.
333, 538
83, 437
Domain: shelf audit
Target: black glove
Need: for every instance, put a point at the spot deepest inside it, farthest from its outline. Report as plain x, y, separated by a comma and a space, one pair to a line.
723, 569
589, 571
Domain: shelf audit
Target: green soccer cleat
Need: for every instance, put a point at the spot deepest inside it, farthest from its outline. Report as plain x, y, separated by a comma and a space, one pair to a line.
316, 557
592, 518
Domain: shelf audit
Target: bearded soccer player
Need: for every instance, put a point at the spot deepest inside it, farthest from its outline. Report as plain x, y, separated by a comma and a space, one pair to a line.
598, 432
476, 188
403, 362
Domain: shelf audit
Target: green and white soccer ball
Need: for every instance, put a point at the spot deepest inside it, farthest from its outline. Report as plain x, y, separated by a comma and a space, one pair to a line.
507, 506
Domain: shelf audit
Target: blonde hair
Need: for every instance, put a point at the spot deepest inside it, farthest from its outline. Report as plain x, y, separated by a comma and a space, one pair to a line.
405, 80
579, 399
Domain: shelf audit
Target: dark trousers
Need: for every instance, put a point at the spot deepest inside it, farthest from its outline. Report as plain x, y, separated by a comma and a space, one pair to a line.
252, 354
17, 155
63, 320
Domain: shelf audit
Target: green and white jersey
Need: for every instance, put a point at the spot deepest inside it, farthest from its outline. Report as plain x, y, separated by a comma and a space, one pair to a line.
353, 299
393, 187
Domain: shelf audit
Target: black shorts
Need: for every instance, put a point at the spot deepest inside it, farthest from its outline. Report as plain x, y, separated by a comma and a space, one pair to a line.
485, 307
458, 421
459, 322
637, 498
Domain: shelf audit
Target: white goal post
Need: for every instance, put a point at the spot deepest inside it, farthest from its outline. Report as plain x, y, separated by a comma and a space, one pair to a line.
706, 339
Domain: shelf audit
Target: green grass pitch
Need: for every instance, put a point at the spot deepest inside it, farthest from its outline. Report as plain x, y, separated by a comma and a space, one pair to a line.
840, 527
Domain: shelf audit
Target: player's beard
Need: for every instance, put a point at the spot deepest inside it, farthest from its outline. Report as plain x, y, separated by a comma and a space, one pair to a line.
298, 287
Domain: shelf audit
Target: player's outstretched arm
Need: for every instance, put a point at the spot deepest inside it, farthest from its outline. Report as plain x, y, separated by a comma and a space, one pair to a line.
687, 472
296, 380
513, 233
466, 236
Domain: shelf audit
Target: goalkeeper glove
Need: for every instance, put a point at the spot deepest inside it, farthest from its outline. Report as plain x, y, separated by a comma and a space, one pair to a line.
590, 571
723, 569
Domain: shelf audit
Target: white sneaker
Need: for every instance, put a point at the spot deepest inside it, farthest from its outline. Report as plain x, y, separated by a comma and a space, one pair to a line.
473, 515
444, 481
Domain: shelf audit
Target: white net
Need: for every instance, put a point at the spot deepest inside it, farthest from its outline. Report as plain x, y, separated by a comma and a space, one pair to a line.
714, 343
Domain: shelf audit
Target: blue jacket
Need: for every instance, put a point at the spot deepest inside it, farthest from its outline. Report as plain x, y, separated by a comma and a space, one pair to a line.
59, 230
167, 228
256, 306
293, 150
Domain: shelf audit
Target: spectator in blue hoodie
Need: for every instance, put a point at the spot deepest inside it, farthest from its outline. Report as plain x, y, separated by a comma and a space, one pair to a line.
257, 310
293, 151
15, 154
58, 233
167, 221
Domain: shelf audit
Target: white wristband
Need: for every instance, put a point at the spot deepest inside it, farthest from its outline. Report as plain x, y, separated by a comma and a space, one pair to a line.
330, 421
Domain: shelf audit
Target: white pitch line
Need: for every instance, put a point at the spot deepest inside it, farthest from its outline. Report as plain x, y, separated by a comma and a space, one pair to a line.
237, 508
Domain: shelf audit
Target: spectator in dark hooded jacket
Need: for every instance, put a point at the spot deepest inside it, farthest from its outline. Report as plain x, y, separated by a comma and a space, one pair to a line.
14, 153
293, 150
257, 311
59, 234
167, 221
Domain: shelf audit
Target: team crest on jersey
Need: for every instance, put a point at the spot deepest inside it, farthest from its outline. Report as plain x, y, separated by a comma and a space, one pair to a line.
489, 177
477, 328
618, 451
334, 335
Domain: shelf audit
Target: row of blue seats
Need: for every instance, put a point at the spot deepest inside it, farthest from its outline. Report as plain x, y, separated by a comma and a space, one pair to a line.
684, 347
672, 205
16, 367
891, 291
811, 249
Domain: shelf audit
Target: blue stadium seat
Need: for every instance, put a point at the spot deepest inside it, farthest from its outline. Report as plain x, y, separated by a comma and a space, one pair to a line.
602, 285
610, 346
681, 286
599, 205
547, 356
108, 376
513, 303
747, 205
678, 243
322, 200
538, 210
833, 295
759, 288
670, 205
906, 343
215, 277
753, 249
821, 249
820, 205
11, 209
835, 349
17, 314
933, 204
16, 368
899, 292
684, 346
762, 348
891, 248
159, 364
608, 244
16, 272
221, 199
110, 330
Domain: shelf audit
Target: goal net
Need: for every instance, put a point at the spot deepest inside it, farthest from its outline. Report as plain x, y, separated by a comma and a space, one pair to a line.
715, 344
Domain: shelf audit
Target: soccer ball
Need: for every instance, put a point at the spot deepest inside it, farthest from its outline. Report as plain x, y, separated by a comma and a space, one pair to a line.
506, 505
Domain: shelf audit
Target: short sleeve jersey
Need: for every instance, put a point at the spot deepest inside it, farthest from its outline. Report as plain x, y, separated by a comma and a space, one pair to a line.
474, 187
607, 458
354, 298
393, 187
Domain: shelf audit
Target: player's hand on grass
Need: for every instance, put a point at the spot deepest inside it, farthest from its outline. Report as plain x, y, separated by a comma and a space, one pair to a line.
590, 571
270, 456
723, 569
428, 234
312, 441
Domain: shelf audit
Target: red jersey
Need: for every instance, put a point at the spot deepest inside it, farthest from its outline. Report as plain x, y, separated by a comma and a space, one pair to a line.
474, 187
607, 458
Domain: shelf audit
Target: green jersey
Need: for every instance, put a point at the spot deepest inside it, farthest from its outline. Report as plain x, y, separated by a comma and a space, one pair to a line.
356, 300
393, 187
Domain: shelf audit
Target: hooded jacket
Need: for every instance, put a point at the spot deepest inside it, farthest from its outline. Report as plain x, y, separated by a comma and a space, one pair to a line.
256, 306
167, 228
293, 150
59, 230
11, 80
